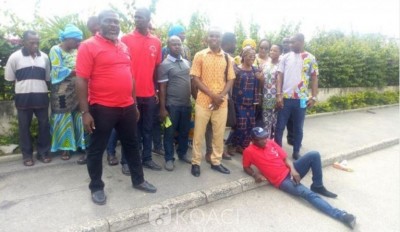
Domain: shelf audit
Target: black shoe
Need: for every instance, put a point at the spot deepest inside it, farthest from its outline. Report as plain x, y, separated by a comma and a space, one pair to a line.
125, 170
323, 191
99, 197
349, 220
146, 186
152, 165
82, 160
296, 155
290, 142
185, 159
220, 168
195, 170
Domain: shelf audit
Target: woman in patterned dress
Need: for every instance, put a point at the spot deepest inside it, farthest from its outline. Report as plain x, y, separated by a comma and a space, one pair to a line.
66, 120
269, 93
245, 94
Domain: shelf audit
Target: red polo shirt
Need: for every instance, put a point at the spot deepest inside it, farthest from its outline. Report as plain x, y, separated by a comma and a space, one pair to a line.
107, 66
145, 52
269, 161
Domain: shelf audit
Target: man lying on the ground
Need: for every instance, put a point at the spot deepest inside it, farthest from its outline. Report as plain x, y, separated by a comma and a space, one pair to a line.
271, 160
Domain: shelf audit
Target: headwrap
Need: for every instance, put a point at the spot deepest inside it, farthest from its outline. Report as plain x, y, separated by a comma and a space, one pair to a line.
175, 30
249, 42
71, 32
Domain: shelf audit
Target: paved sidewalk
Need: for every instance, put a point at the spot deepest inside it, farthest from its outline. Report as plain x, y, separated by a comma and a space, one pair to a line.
55, 197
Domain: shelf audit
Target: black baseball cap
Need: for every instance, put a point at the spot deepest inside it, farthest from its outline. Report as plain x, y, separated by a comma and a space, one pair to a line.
259, 133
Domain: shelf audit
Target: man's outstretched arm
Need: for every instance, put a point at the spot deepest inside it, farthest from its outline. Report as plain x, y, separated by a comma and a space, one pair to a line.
257, 176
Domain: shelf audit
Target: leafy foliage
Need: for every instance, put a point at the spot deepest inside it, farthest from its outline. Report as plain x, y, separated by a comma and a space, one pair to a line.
344, 60
240, 33
196, 32
355, 61
286, 30
12, 137
356, 100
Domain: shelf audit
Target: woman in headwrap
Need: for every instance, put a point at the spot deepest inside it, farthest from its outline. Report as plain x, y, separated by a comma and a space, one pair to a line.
245, 94
66, 120
246, 43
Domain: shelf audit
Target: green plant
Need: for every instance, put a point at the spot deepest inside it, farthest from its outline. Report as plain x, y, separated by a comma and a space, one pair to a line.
12, 137
355, 100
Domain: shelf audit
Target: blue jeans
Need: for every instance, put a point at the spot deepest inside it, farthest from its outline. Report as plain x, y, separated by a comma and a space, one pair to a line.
147, 107
180, 119
291, 108
123, 119
112, 144
310, 160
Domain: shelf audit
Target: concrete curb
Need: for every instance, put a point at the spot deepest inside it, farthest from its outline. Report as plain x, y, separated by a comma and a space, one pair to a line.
162, 211
360, 151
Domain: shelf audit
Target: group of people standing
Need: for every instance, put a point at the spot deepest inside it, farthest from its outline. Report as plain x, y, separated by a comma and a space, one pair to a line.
114, 89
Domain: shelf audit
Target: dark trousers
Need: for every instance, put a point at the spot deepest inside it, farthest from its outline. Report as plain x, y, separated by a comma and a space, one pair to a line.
291, 108
157, 144
24, 123
180, 119
112, 144
123, 119
147, 107
289, 127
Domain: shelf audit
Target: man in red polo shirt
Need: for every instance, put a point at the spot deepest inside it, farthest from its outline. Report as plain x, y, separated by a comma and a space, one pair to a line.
271, 160
145, 50
106, 93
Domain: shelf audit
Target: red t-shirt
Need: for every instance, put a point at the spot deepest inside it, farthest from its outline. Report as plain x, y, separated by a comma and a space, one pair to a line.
107, 66
145, 56
269, 161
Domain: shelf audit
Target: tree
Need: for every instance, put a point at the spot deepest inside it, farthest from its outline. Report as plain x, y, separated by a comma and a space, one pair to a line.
254, 31
240, 33
286, 30
196, 32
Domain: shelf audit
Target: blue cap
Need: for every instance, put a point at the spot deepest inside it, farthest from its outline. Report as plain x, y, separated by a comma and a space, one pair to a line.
259, 133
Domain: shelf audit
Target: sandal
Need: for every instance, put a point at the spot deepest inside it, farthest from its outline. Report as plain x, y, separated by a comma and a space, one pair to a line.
44, 158
82, 159
112, 160
65, 155
29, 162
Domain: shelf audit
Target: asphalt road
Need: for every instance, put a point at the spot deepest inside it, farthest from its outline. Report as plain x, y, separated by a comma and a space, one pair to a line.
371, 193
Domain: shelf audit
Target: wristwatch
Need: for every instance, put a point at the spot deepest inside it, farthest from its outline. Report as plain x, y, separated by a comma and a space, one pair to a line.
83, 112
314, 99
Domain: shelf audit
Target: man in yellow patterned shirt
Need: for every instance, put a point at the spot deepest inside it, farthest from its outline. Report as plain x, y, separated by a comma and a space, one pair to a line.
213, 75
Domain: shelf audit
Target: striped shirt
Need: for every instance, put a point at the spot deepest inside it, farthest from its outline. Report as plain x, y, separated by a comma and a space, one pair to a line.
30, 76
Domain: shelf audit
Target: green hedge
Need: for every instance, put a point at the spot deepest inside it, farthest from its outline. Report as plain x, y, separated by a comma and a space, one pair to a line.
355, 60
355, 101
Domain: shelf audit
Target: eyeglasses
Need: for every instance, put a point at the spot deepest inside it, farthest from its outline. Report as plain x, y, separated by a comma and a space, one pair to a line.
264, 48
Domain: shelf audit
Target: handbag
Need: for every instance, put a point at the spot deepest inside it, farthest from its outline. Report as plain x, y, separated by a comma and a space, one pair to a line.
231, 119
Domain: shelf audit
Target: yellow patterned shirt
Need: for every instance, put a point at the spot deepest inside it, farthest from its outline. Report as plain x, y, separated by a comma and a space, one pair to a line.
209, 67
